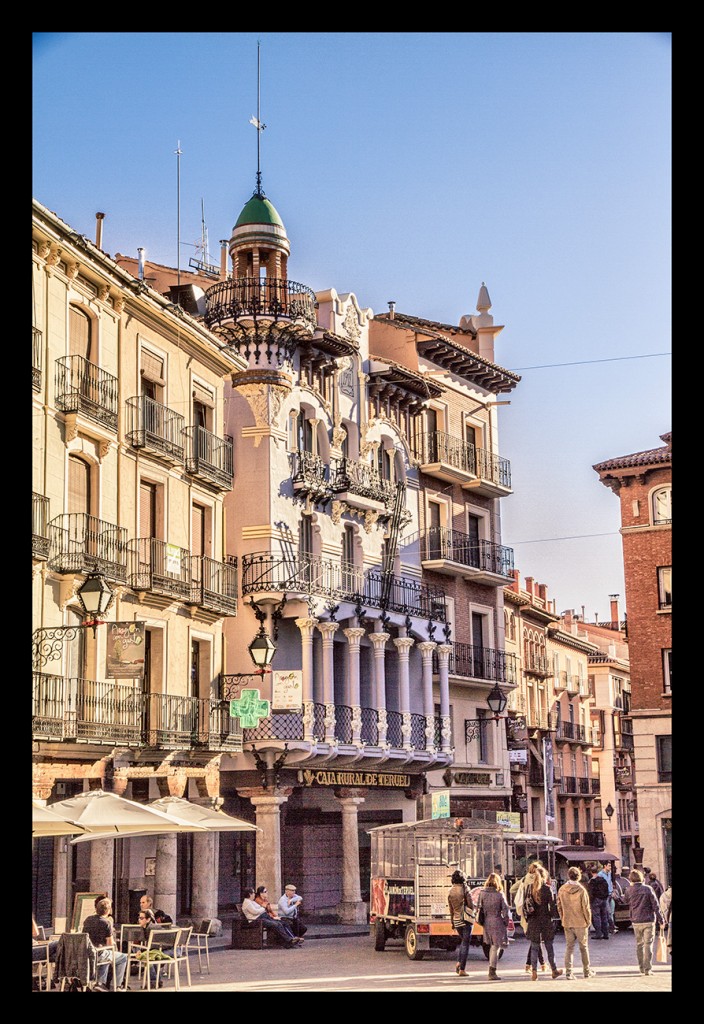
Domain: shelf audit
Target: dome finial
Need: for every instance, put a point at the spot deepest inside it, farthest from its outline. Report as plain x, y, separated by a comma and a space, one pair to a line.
258, 124
483, 300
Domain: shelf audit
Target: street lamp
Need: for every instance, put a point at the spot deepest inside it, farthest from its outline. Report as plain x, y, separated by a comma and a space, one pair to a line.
496, 699
94, 596
609, 811
262, 650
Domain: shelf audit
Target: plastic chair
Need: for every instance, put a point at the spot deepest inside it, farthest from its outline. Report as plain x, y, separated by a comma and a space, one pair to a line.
199, 941
182, 950
42, 968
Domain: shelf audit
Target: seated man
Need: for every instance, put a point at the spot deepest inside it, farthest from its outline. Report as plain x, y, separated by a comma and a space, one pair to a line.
259, 909
101, 930
289, 911
160, 916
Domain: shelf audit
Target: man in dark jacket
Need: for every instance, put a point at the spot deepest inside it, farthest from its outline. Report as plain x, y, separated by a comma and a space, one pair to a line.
598, 890
645, 915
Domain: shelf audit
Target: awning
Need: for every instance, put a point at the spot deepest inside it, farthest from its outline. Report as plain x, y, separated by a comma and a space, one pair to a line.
586, 853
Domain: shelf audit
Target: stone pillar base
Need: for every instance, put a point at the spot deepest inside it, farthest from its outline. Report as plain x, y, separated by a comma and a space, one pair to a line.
352, 912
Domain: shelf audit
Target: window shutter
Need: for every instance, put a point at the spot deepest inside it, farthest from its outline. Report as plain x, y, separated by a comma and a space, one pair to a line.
152, 366
147, 509
78, 486
197, 530
79, 332
203, 395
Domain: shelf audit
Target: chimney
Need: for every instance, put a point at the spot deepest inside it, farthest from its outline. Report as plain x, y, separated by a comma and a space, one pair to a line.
543, 592
567, 616
614, 610
99, 218
516, 585
140, 251
583, 618
223, 259
392, 308
530, 586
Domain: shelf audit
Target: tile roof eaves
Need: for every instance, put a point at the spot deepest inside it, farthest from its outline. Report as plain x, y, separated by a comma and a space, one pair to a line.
656, 456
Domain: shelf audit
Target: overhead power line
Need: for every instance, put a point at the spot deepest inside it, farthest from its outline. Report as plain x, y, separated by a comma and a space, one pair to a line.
576, 536
582, 362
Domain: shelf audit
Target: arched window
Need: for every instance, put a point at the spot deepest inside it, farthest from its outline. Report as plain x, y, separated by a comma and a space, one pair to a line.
662, 505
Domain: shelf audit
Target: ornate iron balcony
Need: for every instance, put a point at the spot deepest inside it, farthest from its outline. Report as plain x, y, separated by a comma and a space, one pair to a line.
440, 542
438, 447
82, 387
160, 568
362, 479
481, 663
214, 584
40, 530
81, 543
209, 457
153, 426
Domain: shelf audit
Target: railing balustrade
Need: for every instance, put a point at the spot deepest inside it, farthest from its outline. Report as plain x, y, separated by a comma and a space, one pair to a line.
394, 734
480, 663
370, 726
343, 723
418, 737
82, 387
37, 358
209, 457
214, 584
441, 542
83, 543
439, 447
259, 297
40, 530
149, 424
160, 568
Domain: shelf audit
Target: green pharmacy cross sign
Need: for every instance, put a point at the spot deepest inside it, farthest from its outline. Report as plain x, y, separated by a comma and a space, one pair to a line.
249, 708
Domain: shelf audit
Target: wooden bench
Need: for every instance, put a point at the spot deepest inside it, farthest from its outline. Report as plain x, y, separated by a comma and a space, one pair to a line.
248, 934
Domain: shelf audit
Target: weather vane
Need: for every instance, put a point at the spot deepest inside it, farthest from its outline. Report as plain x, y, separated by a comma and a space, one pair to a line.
256, 121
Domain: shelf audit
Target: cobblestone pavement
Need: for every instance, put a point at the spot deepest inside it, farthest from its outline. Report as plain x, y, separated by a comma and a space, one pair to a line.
334, 962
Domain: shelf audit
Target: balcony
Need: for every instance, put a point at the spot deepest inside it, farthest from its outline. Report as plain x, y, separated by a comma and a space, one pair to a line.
573, 683
37, 358
536, 775
82, 543
456, 461
214, 584
595, 786
573, 732
159, 568
310, 477
263, 318
457, 554
481, 663
539, 720
85, 710
623, 741
306, 575
155, 428
209, 458
537, 664
82, 387
177, 722
40, 530
594, 839
360, 485
560, 681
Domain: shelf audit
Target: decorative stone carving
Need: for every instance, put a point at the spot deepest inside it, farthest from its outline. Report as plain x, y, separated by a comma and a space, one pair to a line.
347, 377
406, 728
103, 293
338, 436
103, 449
329, 719
370, 518
118, 303
54, 254
72, 270
350, 324
43, 249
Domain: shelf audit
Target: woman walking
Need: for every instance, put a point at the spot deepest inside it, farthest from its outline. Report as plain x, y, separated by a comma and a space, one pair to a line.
539, 908
517, 892
462, 914
492, 906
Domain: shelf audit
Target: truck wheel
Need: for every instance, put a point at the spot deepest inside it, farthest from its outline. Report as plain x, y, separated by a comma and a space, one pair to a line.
486, 949
412, 944
379, 935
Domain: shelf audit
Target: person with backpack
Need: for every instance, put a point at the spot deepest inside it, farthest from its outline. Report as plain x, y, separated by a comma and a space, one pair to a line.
576, 915
598, 890
539, 909
462, 914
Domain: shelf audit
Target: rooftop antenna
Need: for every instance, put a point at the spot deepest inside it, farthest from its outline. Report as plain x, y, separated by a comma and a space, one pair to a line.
256, 121
178, 151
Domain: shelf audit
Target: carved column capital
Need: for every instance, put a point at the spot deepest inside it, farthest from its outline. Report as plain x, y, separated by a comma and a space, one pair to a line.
306, 626
328, 629
354, 635
378, 640
403, 645
426, 648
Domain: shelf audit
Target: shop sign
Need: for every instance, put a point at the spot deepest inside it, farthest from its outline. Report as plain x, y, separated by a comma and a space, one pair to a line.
125, 650
518, 756
441, 804
337, 778
287, 690
471, 778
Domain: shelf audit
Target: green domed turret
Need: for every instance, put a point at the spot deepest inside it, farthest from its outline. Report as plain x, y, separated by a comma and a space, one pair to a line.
259, 211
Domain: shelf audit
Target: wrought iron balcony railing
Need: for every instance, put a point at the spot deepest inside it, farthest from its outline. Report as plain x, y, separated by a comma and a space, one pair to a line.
82, 387
536, 663
595, 786
82, 543
362, 479
254, 297
159, 568
214, 584
85, 710
209, 457
341, 581
176, 722
343, 723
310, 475
481, 663
439, 447
370, 726
440, 542
394, 733
418, 738
536, 776
573, 683
595, 839
40, 528
574, 733
155, 427
37, 358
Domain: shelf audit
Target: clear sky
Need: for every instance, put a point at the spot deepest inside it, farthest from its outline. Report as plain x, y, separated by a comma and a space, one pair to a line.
412, 167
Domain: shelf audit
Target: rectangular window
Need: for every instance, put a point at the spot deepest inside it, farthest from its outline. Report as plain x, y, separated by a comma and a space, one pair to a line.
665, 586
663, 745
484, 738
667, 669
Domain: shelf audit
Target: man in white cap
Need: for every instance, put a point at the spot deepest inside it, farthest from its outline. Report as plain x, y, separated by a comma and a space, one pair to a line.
289, 905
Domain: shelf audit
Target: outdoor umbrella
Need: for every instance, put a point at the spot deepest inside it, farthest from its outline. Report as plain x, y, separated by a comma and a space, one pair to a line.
109, 816
46, 822
201, 818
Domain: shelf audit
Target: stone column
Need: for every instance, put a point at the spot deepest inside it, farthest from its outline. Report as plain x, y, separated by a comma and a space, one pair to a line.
403, 645
165, 873
378, 641
426, 649
102, 866
267, 804
354, 636
350, 909
306, 627
444, 651
206, 872
328, 629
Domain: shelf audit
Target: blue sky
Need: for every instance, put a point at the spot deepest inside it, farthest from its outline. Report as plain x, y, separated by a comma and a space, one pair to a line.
412, 167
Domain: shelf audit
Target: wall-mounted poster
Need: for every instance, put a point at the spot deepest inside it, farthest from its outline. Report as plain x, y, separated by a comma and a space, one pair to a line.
125, 650
287, 690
